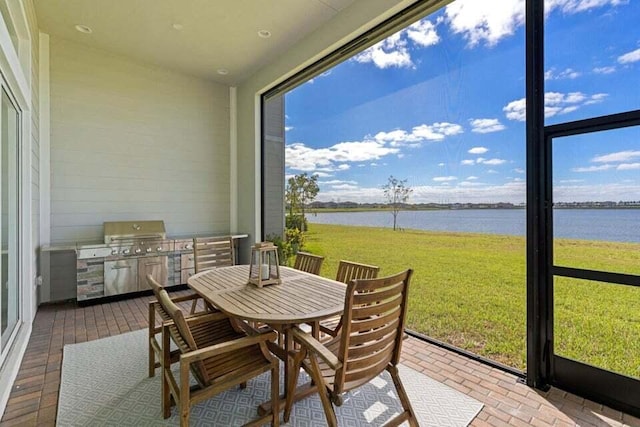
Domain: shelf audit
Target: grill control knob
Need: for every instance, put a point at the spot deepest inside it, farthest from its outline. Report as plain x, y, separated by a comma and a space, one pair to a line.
159, 249
114, 252
126, 251
187, 246
148, 249
138, 250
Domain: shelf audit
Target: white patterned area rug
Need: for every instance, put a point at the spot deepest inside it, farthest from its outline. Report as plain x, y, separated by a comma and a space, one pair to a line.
104, 382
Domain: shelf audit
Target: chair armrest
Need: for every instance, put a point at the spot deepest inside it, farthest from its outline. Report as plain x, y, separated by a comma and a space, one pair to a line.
226, 347
186, 298
203, 318
312, 344
183, 298
244, 326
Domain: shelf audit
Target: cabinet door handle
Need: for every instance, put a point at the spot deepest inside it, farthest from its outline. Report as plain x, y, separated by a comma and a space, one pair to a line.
152, 263
120, 267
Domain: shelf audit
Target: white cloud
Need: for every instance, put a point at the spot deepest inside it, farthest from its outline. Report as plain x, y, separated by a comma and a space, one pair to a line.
555, 103
486, 125
575, 6
604, 70
493, 162
344, 187
592, 168
437, 131
300, 157
470, 184
419, 134
483, 161
571, 181
628, 166
472, 178
461, 192
478, 23
441, 164
337, 182
519, 170
478, 150
445, 178
598, 97
323, 174
516, 110
492, 171
423, 33
568, 73
288, 128
629, 57
620, 156
394, 50
390, 52
597, 192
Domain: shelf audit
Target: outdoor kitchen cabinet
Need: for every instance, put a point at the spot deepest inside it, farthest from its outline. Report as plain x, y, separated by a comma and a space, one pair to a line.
120, 277
155, 266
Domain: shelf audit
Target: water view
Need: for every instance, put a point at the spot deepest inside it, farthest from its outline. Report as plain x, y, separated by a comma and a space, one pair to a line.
617, 225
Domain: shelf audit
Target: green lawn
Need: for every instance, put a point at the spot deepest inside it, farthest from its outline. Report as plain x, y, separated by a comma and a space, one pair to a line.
470, 289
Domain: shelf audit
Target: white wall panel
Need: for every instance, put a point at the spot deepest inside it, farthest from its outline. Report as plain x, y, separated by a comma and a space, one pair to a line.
130, 141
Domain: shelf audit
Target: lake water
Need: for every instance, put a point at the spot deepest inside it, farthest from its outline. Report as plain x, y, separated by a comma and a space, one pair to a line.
618, 225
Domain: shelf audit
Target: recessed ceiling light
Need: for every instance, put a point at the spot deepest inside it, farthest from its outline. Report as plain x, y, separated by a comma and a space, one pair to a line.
222, 71
177, 26
265, 34
84, 29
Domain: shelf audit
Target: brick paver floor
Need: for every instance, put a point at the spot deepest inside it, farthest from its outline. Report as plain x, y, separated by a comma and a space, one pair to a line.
34, 396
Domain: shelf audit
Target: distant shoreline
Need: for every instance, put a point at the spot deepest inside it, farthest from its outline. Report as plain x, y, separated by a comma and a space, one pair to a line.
452, 208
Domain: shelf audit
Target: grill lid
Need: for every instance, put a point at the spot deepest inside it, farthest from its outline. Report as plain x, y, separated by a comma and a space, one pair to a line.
115, 231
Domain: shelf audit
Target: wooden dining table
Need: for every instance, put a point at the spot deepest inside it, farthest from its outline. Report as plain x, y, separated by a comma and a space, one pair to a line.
300, 298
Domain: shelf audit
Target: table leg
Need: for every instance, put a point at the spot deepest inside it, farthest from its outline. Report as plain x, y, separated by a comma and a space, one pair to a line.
300, 392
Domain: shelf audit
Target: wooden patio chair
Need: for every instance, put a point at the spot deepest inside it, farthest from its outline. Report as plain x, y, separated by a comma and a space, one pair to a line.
212, 252
155, 352
347, 271
218, 355
369, 342
308, 262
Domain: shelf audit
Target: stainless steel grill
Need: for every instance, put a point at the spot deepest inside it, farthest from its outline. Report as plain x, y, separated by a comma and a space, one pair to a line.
119, 231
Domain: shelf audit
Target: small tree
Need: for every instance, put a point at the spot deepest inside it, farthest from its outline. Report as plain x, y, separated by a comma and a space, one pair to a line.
397, 192
301, 190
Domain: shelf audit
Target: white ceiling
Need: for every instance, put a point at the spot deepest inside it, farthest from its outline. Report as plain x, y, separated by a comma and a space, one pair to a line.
215, 34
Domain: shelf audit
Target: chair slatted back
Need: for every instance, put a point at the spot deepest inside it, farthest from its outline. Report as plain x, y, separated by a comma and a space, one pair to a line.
309, 263
373, 324
212, 252
156, 288
348, 271
185, 340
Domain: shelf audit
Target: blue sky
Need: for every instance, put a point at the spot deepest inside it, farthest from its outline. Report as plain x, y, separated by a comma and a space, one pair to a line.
441, 104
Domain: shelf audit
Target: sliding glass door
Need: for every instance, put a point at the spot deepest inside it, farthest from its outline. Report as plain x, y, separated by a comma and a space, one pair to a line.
10, 313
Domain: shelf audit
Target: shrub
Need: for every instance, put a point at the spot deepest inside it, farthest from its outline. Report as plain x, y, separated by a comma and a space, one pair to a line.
296, 221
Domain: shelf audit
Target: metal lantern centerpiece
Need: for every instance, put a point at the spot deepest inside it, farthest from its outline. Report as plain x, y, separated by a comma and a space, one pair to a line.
264, 269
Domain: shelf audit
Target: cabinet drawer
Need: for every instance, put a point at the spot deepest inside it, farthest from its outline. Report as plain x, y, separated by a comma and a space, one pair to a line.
186, 261
185, 274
